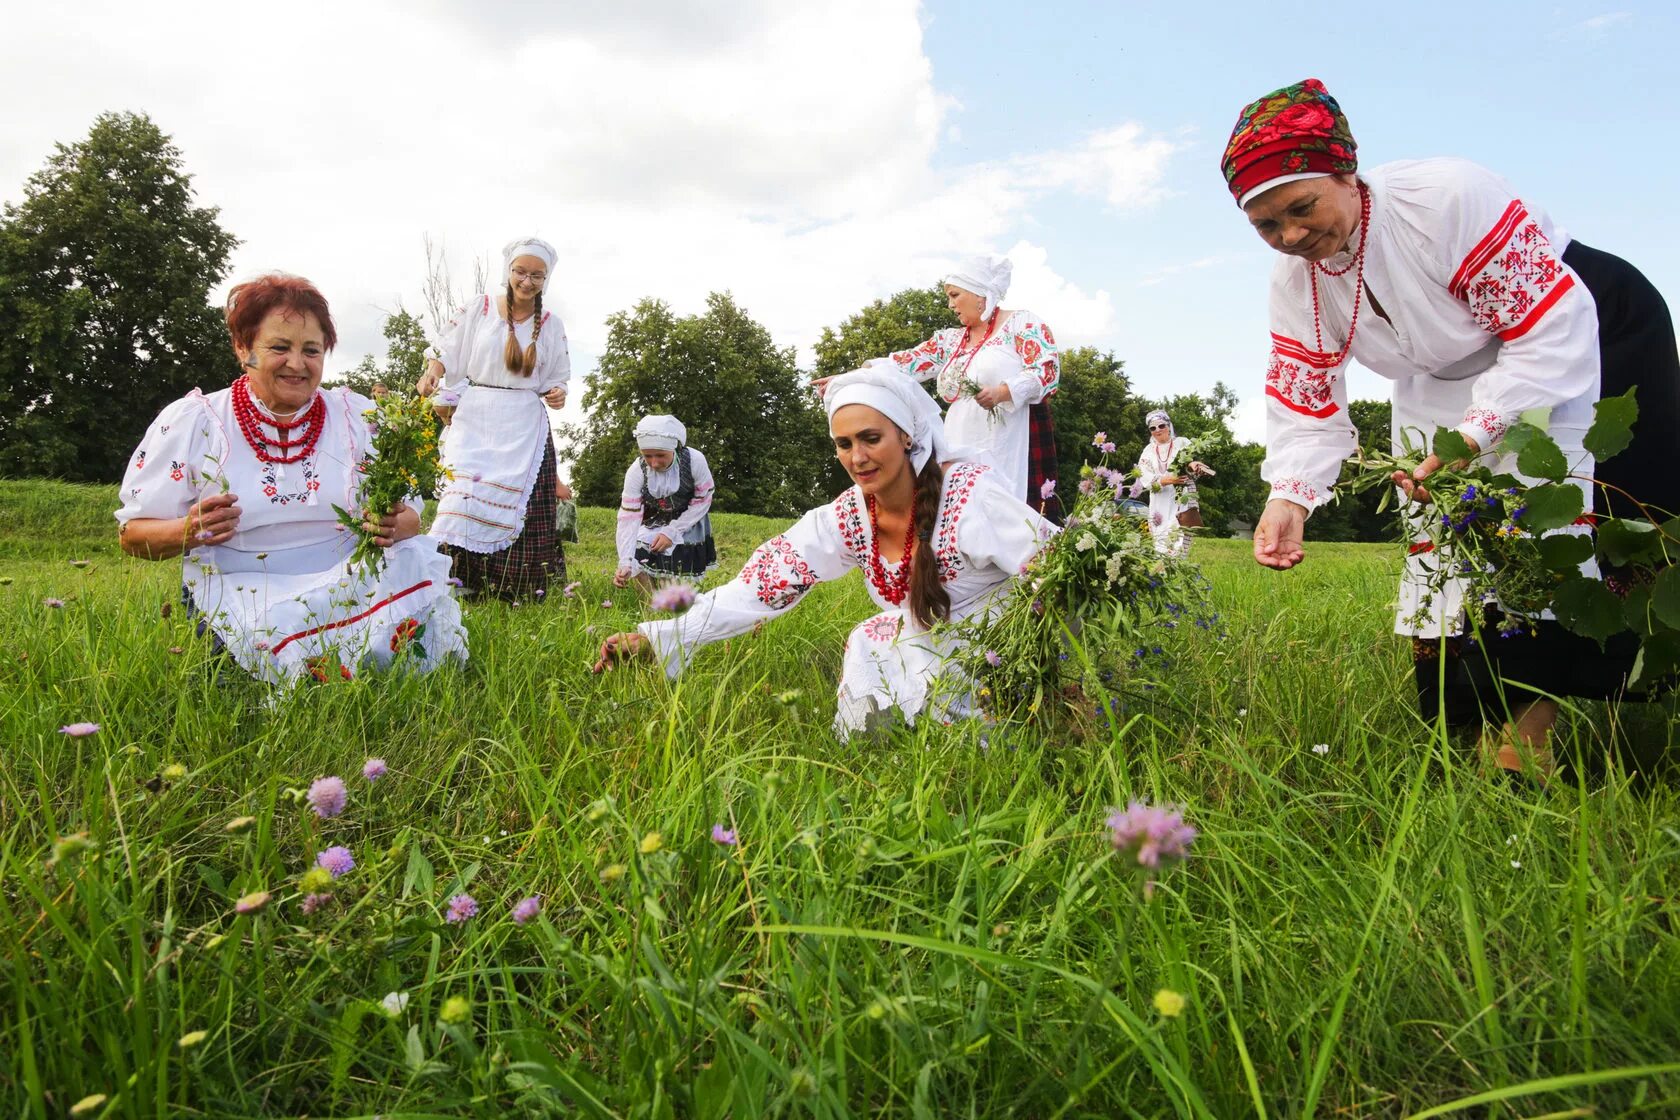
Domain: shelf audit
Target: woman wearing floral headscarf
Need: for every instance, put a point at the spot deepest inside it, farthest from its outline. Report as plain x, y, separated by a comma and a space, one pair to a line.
664, 515
1173, 505
497, 362
1435, 274
937, 543
997, 371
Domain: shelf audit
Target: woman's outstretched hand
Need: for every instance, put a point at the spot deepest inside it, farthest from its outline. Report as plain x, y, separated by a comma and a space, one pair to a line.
623, 647
1277, 539
1411, 486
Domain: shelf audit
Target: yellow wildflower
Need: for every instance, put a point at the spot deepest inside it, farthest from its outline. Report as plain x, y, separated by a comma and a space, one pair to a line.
1169, 1003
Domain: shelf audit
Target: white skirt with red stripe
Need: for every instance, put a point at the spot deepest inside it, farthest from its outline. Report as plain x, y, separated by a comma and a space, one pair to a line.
285, 613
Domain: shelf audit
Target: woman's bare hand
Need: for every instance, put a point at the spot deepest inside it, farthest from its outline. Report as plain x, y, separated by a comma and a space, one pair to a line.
623, 647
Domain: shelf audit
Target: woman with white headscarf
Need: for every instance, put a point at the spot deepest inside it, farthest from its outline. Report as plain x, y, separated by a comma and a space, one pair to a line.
997, 371
664, 515
1173, 505
937, 542
496, 360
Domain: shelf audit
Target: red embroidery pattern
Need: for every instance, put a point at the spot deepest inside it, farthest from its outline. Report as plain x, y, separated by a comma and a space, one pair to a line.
1295, 490
1300, 379
175, 469
922, 360
271, 484
1489, 422
780, 574
883, 628
959, 488
1050, 375
1513, 275
854, 531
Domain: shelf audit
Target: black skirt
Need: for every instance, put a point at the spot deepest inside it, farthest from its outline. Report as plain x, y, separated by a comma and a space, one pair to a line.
1492, 675
524, 569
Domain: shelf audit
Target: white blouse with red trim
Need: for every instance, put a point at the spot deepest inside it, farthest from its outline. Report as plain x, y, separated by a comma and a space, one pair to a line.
471, 347
1473, 285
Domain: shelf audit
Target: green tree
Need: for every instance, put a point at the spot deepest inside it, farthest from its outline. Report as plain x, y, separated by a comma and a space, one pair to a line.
405, 357
1354, 517
742, 399
106, 268
884, 327
1095, 395
1236, 492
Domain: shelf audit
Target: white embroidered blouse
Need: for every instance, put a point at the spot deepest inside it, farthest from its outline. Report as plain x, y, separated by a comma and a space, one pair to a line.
1473, 284
982, 537
661, 484
471, 348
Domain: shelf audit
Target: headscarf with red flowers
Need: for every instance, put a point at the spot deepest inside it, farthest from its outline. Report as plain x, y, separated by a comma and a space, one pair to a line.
1297, 132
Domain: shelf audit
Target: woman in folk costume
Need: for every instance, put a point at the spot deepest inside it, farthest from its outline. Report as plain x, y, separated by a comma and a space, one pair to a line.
1173, 505
936, 543
498, 362
241, 484
664, 516
1436, 274
997, 372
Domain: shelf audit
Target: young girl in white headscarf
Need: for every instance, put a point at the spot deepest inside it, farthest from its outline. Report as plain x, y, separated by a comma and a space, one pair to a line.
664, 516
500, 359
1173, 505
936, 543
997, 371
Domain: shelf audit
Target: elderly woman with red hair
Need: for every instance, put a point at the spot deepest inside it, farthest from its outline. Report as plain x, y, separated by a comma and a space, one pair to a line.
1436, 274
241, 484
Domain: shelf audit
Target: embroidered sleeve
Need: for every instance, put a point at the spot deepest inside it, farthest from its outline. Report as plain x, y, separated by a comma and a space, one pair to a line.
629, 517
1308, 433
554, 353
701, 503
1511, 277
173, 464
450, 346
925, 361
779, 573
1041, 370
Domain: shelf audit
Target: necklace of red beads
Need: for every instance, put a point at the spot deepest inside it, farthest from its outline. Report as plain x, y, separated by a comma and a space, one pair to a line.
895, 586
1358, 283
251, 421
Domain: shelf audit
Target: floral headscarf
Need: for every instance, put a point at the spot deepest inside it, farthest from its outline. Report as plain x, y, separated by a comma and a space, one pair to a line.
1297, 132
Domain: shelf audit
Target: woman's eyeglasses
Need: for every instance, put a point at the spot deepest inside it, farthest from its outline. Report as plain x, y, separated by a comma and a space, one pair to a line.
1157, 427
533, 277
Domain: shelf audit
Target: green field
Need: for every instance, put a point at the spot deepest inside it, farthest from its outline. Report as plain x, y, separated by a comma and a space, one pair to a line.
925, 926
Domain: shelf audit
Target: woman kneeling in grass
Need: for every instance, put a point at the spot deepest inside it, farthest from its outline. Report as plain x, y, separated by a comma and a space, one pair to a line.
957, 538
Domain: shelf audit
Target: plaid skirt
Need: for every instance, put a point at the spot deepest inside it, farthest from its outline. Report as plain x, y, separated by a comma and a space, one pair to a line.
1042, 461
524, 568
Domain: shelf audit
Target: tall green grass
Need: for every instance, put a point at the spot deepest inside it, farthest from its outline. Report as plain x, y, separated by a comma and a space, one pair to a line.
928, 925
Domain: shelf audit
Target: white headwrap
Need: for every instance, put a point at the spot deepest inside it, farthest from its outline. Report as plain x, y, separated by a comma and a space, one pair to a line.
529, 247
900, 399
661, 433
1161, 416
1295, 177
986, 276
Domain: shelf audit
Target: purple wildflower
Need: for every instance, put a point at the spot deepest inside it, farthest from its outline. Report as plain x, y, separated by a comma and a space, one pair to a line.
461, 907
606, 604
313, 902
78, 730
373, 769
1108, 449
1099, 439
327, 796
336, 861
570, 590
526, 909
1087, 485
993, 659
1048, 490
1150, 833
54, 604
456, 581
724, 836
673, 597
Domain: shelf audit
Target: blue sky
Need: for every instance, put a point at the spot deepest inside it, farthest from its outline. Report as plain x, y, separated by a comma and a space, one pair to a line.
1574, 103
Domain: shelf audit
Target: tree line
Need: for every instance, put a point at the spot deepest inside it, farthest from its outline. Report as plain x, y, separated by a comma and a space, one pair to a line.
108, 261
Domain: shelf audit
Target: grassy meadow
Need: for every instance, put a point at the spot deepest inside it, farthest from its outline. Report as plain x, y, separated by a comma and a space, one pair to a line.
929, 925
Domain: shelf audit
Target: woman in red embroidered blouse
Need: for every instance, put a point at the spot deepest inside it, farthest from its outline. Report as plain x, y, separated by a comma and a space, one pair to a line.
1436, 274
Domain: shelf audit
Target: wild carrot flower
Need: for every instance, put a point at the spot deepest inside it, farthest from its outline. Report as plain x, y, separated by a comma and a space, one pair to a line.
327, 796
251, 903
373, 769
724, 836
1150, 833
461, 907
78, 730
336, 861
526, 909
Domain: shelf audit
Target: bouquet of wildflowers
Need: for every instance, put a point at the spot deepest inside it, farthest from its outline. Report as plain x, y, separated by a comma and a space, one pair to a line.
1101, 576
403, 461
1194, 451
1497, 537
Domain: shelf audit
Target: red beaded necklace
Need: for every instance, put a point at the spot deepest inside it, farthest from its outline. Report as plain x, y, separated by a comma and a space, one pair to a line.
251, 421
892, 587
991, 325
1358, 282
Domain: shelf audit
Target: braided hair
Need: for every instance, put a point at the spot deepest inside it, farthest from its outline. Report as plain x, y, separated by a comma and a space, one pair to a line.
523, 362
929, 601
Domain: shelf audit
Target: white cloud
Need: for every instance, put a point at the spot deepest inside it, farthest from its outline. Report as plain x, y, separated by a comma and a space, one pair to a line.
783, 151
1594, 27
